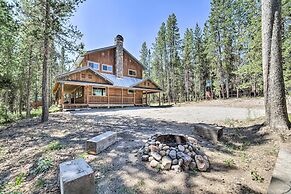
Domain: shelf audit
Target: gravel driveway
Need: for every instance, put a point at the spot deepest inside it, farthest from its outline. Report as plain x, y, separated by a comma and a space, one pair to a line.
189, 114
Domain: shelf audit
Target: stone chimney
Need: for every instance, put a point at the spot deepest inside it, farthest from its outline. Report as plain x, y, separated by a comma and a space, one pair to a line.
119, 56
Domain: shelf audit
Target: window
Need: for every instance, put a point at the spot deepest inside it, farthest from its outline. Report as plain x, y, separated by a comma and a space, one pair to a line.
107, 68
79, 92
131, 72
130, 92
83, 75
90, 76
99, 92
93, 65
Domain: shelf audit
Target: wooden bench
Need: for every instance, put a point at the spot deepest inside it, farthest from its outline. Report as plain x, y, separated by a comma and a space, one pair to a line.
101, 142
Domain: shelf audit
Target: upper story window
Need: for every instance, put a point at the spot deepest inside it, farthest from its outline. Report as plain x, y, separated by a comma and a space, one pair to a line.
106, 67
93, 65
131, 72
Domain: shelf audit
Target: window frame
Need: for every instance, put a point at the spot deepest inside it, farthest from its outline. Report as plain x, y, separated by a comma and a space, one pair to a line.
88, 64
133, 91
107, 66
102, 92
132, 71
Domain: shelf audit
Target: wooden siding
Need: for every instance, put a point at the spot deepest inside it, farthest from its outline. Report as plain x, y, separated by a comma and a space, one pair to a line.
130, 63
115, 96
87, 76
108, 57
147, 84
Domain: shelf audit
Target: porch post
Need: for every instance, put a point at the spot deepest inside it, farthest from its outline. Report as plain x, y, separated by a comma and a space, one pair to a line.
74, 97
62, 96
121, 97
159, 98
108, 97
134, 97
87, 95
146, 97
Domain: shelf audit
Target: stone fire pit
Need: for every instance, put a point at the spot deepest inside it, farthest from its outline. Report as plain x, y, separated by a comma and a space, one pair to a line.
173, 152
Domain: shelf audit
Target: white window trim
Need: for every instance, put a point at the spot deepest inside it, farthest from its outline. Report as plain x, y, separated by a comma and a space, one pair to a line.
107, 70
99, 88
132, 70
129, 92
93, 62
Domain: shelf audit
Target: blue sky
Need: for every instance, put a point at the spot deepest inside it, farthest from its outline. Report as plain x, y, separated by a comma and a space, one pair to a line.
136, 20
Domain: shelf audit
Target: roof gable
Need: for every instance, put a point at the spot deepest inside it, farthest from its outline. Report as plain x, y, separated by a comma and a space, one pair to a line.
147, 83
87, 71
107, 48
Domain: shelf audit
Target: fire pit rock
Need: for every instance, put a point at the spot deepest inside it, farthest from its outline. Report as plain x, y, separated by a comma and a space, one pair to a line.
173, 152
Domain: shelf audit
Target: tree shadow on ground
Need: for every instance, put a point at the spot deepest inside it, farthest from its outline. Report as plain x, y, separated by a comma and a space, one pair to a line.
119, 162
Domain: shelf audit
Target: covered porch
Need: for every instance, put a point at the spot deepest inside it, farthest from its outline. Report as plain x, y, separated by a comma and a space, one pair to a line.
73, 94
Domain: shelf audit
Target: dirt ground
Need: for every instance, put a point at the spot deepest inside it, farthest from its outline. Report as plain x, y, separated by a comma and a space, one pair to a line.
242, 163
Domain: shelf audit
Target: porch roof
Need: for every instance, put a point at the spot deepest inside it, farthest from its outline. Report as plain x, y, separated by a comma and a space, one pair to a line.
84, 83
124, 82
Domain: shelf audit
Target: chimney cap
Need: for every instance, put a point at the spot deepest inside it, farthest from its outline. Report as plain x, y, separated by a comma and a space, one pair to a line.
119, 38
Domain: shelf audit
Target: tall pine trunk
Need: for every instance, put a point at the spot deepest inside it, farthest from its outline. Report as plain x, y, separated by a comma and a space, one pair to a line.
45, 112
274, 89
28, 84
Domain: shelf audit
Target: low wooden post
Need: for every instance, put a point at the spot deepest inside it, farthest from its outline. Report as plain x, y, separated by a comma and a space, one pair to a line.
62, 96
134, 97
87, 93
159, 98
108, 97
122, 97
146, 98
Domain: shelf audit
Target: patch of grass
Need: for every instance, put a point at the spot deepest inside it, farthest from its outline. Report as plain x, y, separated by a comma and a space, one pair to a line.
256, 177
19, 179
158, 167
244, 158
13, 186
83, 155
139, 184
54, 145
40, 183
42, 165
193, 172
289, 117
244, 145
37, 112
272, 151
229, 162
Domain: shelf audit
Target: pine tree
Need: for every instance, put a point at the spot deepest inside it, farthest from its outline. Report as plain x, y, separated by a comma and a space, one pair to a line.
274, 91
144, 58
159, 61
173, 43
188, 60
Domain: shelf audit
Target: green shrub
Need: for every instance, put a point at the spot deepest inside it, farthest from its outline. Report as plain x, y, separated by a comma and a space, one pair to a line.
42, 165
19, 179
256, 177
229, 162
54, 145
40, 183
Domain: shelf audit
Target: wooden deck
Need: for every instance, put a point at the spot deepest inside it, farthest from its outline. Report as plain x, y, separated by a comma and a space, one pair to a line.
82, 106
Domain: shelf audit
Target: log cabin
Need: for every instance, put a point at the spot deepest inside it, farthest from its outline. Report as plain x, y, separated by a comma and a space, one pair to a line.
105, 77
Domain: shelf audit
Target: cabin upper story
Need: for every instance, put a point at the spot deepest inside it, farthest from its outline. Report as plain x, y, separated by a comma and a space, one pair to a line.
114, 60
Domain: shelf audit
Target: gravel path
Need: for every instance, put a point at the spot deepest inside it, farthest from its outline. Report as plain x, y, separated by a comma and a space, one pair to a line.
189, 114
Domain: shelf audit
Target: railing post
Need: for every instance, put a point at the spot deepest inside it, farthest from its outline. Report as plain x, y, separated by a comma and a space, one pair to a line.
134, 97
108, 98
122, 97
62, 96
